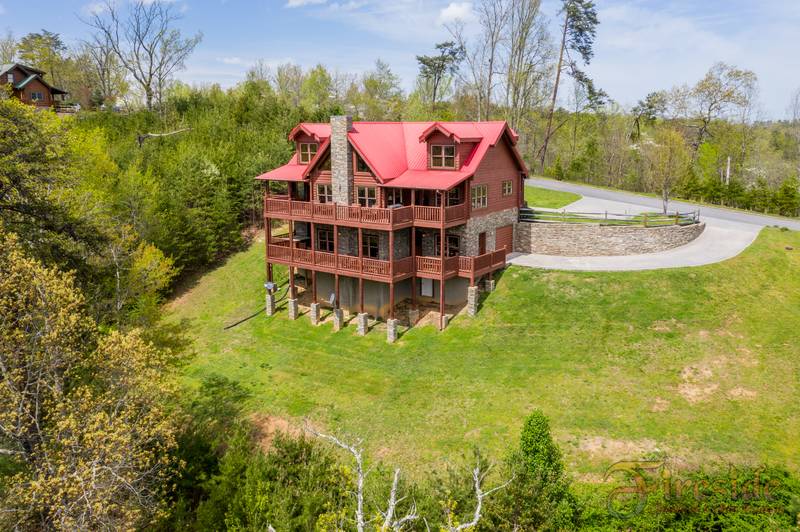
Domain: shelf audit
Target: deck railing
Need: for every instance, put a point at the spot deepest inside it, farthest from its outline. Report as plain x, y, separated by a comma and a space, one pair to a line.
329, 212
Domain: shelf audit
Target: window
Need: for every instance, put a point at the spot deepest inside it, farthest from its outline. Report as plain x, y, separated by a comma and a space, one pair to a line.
325, 166
454, 196
324, 194
452, 245
443, 156
37, 97
307, 152
394, 196
508, 188
325, 240
10, 77
369, 245
480, 198
367, 196
361, 166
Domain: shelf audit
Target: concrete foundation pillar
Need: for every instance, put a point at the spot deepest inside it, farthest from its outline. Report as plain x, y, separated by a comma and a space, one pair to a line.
270, 304
338, 319
472, 301
314, 313
362, 321
391, 331
445, 321
413, 316
294, 310
489, 284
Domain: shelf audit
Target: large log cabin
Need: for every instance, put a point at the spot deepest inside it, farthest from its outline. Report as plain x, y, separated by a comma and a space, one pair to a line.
28, 85
380, 213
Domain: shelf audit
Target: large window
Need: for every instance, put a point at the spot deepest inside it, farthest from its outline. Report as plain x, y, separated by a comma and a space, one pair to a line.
394, 196
443, 156
367, 196
37, 97
324, 194
452, 245
361, 166
454, 196
508, 187
370, 245
307, 151
480, 197
325, 240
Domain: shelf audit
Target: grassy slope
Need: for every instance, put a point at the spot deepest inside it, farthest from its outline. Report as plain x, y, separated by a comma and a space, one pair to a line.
611, 358
549, 199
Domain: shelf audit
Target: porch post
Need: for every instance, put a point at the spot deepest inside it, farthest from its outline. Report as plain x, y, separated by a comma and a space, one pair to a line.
391, 300
442, 258
413, 266
361, 295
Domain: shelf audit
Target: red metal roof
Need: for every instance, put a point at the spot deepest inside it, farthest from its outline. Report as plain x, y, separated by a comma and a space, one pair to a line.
397, 152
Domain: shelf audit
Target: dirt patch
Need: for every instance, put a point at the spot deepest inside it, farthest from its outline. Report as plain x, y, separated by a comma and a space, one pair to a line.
741, 394
696, 387
703, 334
602, 447
660, 405
666, 326
746, 358
267, 427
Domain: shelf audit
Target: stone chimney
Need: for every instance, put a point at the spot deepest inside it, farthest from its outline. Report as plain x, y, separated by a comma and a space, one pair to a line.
341, 160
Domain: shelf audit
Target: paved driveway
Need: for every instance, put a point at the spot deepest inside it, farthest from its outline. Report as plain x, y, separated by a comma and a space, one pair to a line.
727, 233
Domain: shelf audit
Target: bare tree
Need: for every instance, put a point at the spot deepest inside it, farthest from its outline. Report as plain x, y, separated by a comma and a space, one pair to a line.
8, 48
108, 72
478, 476
146, 42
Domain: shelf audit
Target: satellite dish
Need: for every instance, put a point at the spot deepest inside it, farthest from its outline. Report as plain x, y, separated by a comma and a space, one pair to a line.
270, 286
332, 299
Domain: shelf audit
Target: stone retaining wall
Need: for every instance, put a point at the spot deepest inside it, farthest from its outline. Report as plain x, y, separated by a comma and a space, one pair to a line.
586, 240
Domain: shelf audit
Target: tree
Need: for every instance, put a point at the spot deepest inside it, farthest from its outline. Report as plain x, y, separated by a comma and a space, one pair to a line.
646, 111
434, 69
316, 89
381, 96
668, 162
82, 415
8, 48
44, 50
145, 41
106, 69
577, 35
787, 198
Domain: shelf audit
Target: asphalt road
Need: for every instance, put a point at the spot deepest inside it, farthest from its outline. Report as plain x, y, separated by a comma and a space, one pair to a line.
655, 204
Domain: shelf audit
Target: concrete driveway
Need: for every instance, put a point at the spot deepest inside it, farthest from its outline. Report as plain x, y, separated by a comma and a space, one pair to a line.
727, 233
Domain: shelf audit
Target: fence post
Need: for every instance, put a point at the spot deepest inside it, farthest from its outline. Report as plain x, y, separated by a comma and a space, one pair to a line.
645, 219
677, 217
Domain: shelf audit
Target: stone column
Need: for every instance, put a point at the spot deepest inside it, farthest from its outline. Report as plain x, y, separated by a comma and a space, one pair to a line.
362, 319
413, 316
391, 331
270, 304
314, 313
338, 319
445, 321
341, 160
489, 285
294, 310
472, 301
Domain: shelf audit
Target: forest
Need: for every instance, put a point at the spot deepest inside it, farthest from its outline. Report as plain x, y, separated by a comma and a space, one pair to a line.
102, 219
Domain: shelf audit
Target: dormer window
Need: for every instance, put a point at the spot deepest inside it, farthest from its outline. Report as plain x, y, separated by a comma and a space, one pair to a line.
443, 156
307, 152
361, 166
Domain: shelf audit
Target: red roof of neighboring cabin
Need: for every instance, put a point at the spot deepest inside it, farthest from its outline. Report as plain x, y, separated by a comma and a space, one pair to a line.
397, 151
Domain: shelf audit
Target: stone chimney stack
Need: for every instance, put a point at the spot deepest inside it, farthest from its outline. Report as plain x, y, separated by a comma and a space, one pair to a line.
341, 160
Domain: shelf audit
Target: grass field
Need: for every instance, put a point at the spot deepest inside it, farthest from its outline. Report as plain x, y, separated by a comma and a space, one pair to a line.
700, 364
549, 199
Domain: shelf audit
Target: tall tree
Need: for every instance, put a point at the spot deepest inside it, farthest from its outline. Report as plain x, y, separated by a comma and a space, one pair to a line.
106, 70
8, 48
577, 36
145, 40
316, 90
44, 50
381, 96
669, 160
435, 69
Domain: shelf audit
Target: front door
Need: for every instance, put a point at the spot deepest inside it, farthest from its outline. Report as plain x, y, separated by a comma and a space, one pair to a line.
482, 244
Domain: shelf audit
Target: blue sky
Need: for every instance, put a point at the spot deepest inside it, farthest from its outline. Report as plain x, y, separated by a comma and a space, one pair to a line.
642, 45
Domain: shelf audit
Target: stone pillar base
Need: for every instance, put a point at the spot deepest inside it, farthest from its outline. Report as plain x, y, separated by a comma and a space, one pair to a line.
362, 320
413, 316
338, 319
472, 301
445, 321
314, 313
270, 304
294, 310
391, 331
489, 284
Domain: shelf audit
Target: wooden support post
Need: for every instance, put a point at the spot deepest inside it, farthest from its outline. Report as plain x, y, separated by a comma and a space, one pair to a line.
391, 300
361, 295
336, 292
413, 265
313, 286
442, 258
292, 294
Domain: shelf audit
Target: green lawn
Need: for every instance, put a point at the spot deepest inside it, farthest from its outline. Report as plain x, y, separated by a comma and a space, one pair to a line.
549, 199
702, 363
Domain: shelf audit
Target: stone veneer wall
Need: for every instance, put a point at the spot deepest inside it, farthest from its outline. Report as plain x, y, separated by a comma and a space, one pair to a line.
586, 240
484, 224
341, 160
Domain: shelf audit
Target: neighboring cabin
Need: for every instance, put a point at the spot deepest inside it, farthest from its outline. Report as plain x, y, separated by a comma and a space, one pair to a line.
28, 85
382, 213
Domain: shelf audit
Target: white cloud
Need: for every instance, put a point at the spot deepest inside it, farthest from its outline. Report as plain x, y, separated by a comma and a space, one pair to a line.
301, 3
94, 8
456, 11
232, 60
